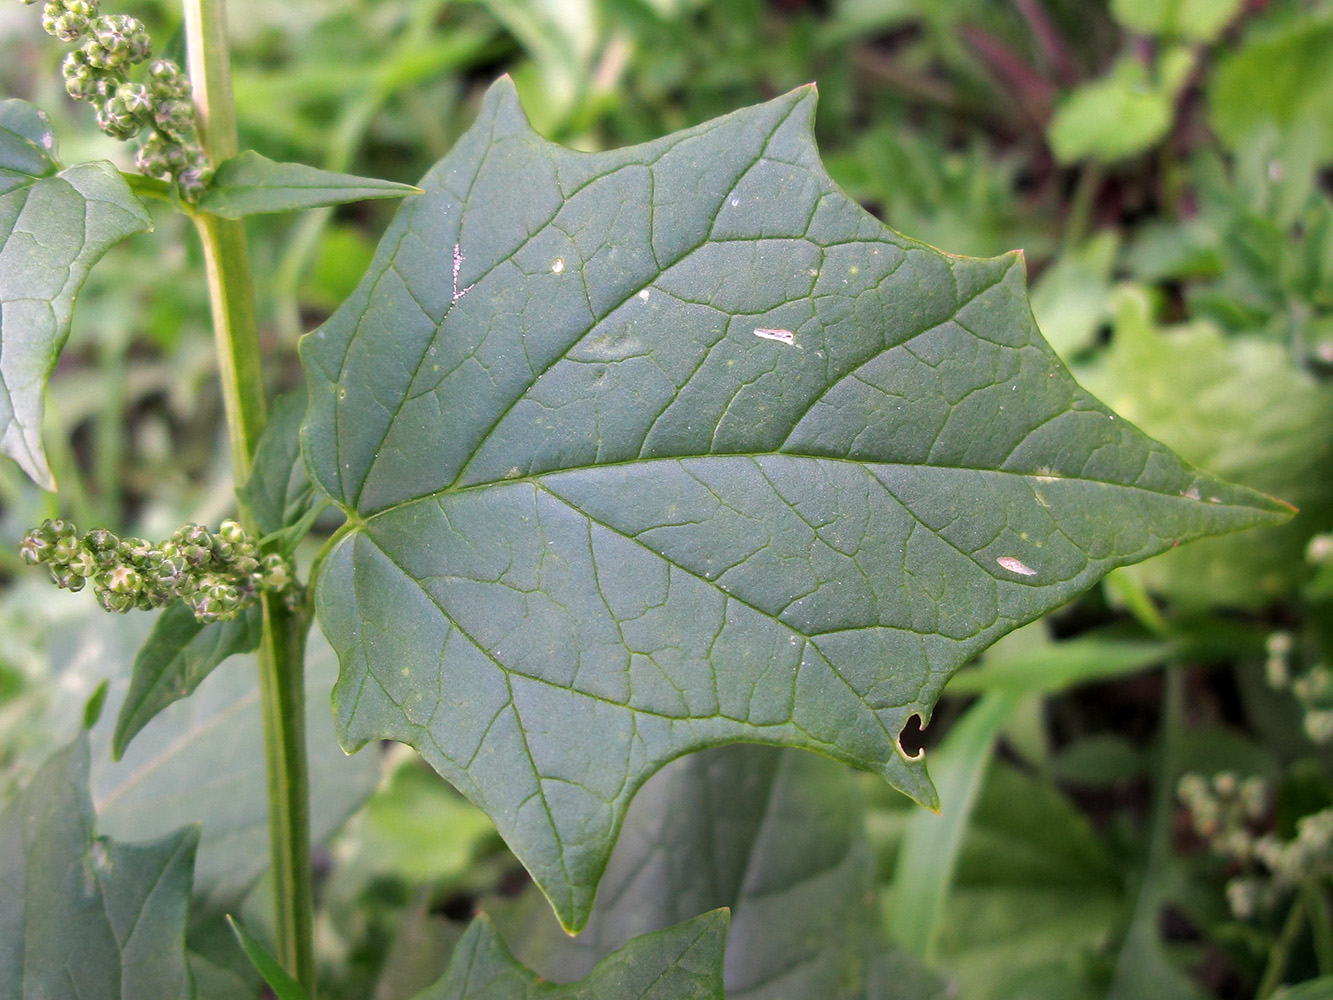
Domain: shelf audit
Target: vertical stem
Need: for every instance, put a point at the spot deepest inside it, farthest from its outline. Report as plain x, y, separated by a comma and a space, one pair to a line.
281, 652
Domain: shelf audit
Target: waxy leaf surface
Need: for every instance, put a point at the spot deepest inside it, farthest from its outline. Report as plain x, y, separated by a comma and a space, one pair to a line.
82, 916
673, 446
683, 962
775, 836
53, 228
251, 184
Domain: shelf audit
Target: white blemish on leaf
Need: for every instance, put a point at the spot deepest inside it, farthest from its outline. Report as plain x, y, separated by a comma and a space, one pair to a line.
1192, 494
1016, 566
458, 266
735, 202
557, 265
644, 295
782, 336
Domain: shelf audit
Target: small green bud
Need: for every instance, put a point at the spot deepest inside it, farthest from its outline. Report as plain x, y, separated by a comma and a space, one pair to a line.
65, 578
116, 32
196, 534
65, 549
197, 555
111, 600
168, 81
66, 26
174, 117
100, 540
121, 580
86, 9
232, 532
100, 57
170, 572
84, 562
276, 573
152, 157
34, 548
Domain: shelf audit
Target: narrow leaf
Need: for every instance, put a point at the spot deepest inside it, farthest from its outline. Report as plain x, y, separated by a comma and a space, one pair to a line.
282, 984
53, 228
681, 447
82, 916
250, 184
930, 852
681, 963
178, 654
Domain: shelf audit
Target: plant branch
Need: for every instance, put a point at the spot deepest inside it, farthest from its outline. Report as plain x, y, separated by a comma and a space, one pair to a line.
281, 675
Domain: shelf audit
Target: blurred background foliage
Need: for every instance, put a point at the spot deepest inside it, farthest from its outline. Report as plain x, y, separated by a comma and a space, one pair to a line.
1165, 165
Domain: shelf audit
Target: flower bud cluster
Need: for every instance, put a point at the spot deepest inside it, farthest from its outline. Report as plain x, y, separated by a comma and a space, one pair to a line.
1313, 689
216, 573
98, 72
1225, 812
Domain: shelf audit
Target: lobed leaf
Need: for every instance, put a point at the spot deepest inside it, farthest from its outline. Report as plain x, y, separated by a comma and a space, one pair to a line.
680, 963
53, 228
82, 916
251, 184
662, 448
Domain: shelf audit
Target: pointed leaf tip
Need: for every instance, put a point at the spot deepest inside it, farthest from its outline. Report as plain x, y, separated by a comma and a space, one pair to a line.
597, 519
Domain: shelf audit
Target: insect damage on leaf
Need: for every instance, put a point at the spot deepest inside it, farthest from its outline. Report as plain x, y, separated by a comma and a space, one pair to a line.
591, 530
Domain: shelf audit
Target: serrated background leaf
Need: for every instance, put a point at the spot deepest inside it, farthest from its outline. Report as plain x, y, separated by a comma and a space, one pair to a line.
53, 229
201, 760
601, 515
680, 963
84, 917
777, 837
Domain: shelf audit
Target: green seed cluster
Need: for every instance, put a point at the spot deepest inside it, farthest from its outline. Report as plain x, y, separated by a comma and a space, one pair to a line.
216, 573
1312, 689
1225, 812
160, 107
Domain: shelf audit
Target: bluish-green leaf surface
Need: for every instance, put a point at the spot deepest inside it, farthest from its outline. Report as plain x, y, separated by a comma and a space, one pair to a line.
82, 916
683, 962
775, 836
250, 184
54, 226
673, 446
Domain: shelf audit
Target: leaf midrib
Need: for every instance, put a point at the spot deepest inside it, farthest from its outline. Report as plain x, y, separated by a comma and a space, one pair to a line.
535, 478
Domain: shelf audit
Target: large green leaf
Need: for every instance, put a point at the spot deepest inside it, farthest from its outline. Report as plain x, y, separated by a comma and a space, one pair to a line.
680, 963
53, 228
82, 916
777, 837
656, 449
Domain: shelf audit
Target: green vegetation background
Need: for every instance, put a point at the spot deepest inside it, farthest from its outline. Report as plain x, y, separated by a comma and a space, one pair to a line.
1165, 166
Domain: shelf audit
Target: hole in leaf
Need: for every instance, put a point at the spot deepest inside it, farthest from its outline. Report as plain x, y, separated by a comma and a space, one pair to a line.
913, 737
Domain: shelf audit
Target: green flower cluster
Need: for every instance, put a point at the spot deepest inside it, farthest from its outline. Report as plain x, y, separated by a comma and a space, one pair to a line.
1225, 812
98, 72
216, 573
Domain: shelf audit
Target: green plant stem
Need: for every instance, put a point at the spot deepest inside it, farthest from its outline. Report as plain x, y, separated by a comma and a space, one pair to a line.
1280, 954
1321, 924
281, 673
